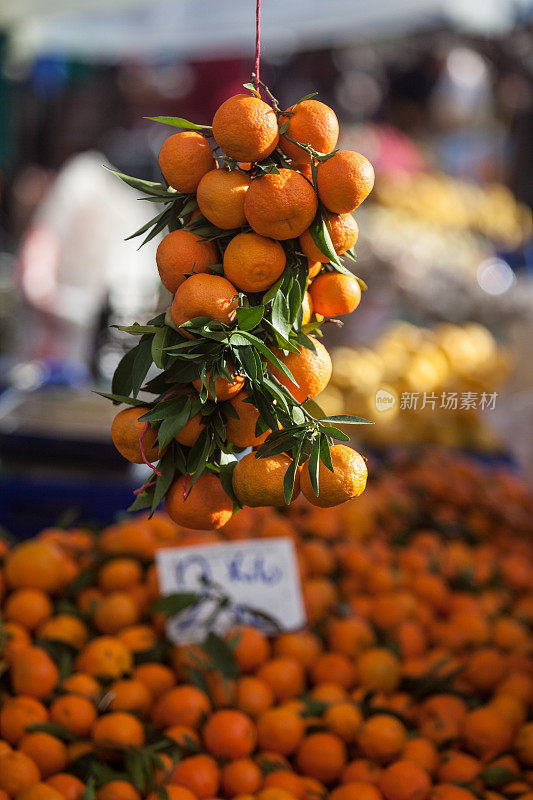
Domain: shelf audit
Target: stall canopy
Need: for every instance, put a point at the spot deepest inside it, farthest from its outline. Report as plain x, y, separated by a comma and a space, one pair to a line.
115, 29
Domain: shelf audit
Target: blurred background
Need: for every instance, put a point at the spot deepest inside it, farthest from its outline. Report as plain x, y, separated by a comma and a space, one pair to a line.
438, 94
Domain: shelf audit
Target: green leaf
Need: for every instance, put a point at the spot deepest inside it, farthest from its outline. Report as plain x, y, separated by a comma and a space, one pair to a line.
306, 97
196, 462
120, 398
54, 728
132, 369
295, 301
158, 345
249, 318
280, 316
148, 187
138, 330
325, 453
141, 365
362, 284
320, 236
178, 122
143, 500
221, 656
314, 409
284, 128
174, 604
164, 481
346, 419
290, 475
496, 777
335, 433
272, 292
313, 466
226, 474
263, 349
251, 88
147, 225
165, 409
89, 793
171, 426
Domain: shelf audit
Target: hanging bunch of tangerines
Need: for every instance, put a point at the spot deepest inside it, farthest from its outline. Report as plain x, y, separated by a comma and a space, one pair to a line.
258, 208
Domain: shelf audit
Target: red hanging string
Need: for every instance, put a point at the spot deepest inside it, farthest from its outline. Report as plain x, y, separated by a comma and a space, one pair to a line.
143, 454
257, 42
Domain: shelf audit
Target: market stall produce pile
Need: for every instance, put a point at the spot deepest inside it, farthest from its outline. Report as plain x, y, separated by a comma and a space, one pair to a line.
413, 679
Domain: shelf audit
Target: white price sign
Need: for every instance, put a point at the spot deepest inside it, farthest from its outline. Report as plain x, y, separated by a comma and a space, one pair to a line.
253, 582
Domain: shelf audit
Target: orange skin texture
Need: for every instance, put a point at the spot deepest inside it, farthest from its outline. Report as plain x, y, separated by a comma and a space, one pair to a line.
335, 294
199, 774
47, 751
157, 677
311, 371
259, 481
205, 296
174, 793
130, 695
190, 431
314, 268
119, 573
241, 776
344, 181
252, 262
181, 705
307, 308
125, 432
17, 773
70, 787
105, 657
241, 432
321, 756
254, 696
221, 196
224, 388
355, 790
313, 123
207, 506
28, 607
34, 673
116, 611
65, 628
180, 253
17, 713
35, 565
382, 737
40, 791
184, 159
343, 232
246, 128
280, 730
118, 729
347, 481
280, 206
75, 713
405, 780
230, 734
117, 790
379, 669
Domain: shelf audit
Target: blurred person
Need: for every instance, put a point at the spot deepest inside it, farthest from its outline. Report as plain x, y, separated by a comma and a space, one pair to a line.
74, 262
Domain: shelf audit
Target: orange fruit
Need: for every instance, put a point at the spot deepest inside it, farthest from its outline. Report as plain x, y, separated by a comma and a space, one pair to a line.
361, 770
334, 294
45, 750
117, 729
17, 772
241, 431
205, 507
82, 684
34, 673
184, 159
280, 730
119, 790
382, 737
70, 787
182, 705
311, 371
254, 695
457, 767
440, 717
253, 263
350, 636
116, 611
422, 752
246, 128
334, 667
321, 756
40, 791
225, 389
343, 719
191, 430
28, 607
523, 745
404, 780
157, 677
241, 776
180, 253
314, 268
251, 648
486, 733
205, 296
185, 737
65, 628
126, 431
35, 565
272, 793
304, 646
355, 790
344, 181
17, 713
310, 122
348, 480
280, 206
130, 694
229, 734
105, 657
199, 774
343, 232
221, 197
379, 669
74, 713
119, 573
259, 481
284, 675
307, 308
15, 640
289, 781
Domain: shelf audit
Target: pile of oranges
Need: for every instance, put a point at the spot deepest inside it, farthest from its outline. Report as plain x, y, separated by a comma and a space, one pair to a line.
260, 215
413, 679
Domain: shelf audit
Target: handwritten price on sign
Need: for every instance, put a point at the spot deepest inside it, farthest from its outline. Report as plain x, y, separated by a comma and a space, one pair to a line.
213, 587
